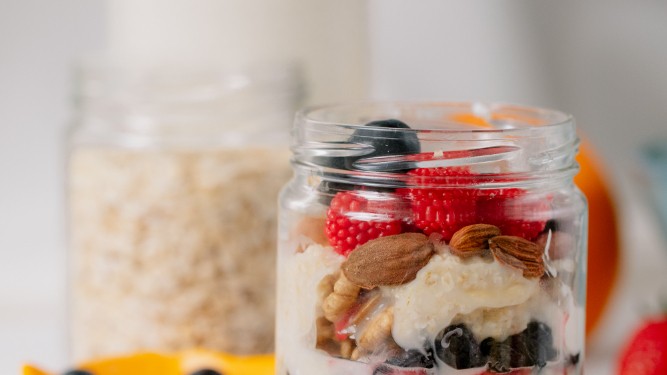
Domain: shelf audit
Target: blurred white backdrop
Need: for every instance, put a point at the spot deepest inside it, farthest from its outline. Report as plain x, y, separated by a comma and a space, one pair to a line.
601, 60
38, 40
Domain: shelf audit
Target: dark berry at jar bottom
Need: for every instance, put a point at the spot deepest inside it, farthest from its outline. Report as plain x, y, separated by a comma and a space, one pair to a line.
413, 358
457, 347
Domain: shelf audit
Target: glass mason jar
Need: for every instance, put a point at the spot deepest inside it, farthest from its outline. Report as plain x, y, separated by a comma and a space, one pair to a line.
431, 238
173, 174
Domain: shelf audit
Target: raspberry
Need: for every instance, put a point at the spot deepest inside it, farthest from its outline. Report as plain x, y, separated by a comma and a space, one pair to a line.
646, 352
343, 324
353, 219
441, 210
446, 208
513, 211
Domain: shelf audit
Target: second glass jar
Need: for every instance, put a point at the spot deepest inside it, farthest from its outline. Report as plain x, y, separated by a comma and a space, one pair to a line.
173, 174
431, 238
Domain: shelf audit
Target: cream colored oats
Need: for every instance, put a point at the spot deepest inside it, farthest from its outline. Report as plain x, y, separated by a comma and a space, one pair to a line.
173, 249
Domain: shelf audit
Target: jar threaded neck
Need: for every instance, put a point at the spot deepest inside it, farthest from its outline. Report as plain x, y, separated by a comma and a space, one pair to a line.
502, 145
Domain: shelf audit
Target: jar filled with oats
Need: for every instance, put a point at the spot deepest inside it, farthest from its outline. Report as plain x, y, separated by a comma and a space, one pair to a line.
173, 175
432, 239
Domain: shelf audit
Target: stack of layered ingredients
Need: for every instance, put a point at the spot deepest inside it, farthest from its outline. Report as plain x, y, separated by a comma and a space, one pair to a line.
434, 275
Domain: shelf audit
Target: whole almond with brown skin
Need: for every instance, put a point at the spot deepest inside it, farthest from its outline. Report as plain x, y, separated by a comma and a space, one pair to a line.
534, 269
391, 260
473, 240
518, 253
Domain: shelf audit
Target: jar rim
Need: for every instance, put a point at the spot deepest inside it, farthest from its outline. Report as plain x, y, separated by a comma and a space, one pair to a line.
343, 143
108, 77
129, 103
467, 116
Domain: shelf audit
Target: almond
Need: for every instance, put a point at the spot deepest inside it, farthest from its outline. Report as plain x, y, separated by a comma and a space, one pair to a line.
391, 260
473, 240
519, 253
534, 269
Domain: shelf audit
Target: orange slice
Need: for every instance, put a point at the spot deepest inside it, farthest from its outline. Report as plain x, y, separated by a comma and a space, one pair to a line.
183, 363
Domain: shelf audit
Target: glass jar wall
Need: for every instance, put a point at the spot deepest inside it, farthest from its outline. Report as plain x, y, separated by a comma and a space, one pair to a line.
431, 238
173, 177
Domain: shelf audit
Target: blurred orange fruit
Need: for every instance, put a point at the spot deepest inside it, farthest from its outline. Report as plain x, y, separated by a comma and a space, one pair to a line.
182, 363
31, 370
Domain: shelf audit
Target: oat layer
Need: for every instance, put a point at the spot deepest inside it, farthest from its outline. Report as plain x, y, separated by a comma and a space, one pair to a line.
173, 249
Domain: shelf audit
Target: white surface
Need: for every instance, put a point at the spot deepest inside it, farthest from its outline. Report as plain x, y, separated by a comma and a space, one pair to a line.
38, 40
601, 60
454, 50
328, 37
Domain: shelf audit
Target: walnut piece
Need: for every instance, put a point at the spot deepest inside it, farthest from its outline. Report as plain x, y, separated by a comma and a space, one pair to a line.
377, 332
342, 298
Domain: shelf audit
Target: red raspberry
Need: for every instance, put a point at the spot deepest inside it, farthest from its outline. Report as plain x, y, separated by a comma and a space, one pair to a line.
646, 353
446, 208
441, 210
513, 211
344, 323
354, 218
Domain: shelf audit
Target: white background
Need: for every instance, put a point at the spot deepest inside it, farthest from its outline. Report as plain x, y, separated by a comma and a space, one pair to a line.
38, 40
605, 61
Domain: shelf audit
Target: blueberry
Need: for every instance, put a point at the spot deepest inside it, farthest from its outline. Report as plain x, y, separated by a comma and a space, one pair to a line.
413, 358
78, 372
531, 347
486, 345
500, 357
574, 359
385, 369
513, 352
538, 341
384, 142
206, 371
551, 225
457, 347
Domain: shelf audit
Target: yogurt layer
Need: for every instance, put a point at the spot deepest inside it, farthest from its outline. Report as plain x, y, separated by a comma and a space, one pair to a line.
297, 308
448, 286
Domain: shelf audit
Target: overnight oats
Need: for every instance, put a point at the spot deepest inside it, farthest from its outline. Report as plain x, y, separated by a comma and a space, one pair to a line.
431, 238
